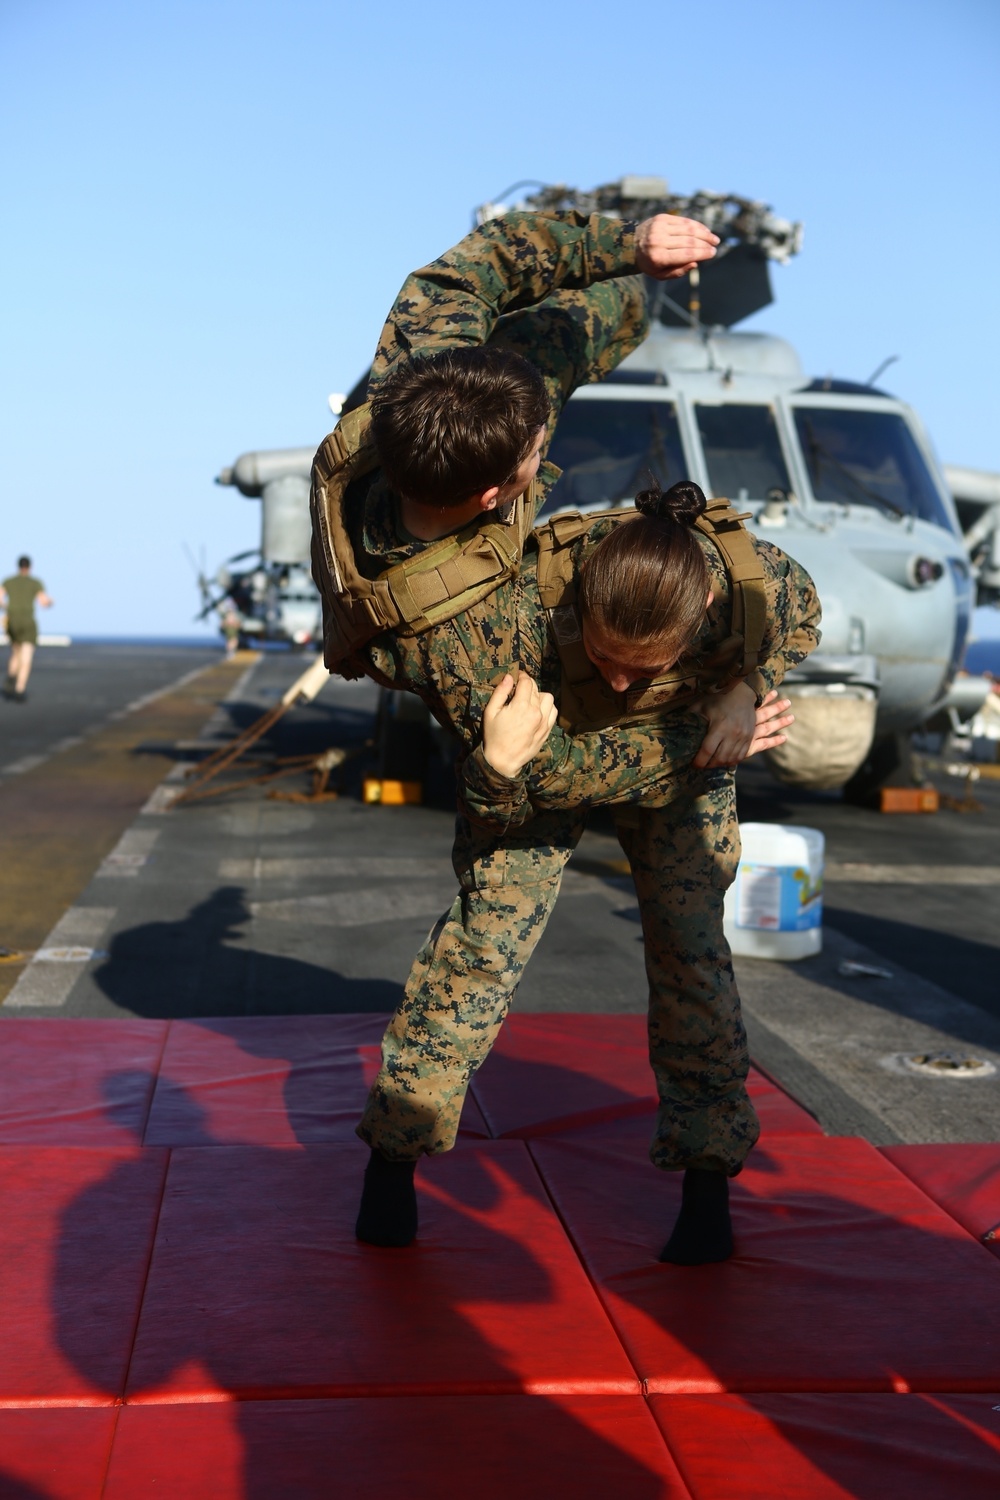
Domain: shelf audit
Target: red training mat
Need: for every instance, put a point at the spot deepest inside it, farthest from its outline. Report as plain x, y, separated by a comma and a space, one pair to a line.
75, 1237
426, 1448
270, 1081
778, 1111
69, 1081
779, 1115
834, 1447
60, 1454
552, 1073
258, 1288
846, 1277
965, 1180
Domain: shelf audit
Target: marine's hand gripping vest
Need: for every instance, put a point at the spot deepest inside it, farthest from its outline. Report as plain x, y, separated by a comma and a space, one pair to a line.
585, 700
442, 580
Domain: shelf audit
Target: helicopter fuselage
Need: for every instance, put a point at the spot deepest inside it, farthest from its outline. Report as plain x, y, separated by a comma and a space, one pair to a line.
840, 476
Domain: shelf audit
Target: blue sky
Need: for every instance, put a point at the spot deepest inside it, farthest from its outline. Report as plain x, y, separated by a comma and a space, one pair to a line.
210, 206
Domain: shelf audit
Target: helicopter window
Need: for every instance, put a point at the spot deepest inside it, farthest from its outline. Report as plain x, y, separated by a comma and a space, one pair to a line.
609, 449
742, 451
867, 458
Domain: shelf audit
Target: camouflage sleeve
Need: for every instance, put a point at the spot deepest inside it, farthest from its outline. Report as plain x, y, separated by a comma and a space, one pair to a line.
793, 617
495, 803
506, 264
638, 763
575, 337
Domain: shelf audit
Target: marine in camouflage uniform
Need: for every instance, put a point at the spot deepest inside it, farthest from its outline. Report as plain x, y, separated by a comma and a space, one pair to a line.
555, 289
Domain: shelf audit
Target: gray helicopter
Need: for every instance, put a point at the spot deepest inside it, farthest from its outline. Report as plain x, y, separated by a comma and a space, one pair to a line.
838, 473
270, 589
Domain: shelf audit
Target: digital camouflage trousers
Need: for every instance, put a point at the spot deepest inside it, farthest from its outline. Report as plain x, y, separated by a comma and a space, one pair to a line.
683, 857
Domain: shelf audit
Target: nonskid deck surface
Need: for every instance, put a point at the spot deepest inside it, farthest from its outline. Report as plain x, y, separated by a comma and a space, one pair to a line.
246, 905
188, 1312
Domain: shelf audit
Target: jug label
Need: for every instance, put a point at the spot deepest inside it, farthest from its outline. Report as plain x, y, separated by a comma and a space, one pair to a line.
778, 898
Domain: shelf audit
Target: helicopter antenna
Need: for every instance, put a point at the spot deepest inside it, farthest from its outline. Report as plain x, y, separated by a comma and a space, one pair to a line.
892, 360
661, 300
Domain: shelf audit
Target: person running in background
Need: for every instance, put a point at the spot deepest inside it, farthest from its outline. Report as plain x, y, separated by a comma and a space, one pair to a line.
20, 593
229, 624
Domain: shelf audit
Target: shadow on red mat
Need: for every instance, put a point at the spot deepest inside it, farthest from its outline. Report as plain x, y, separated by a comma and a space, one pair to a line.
846, 1277
829, 1447
226, 1297
257, 1291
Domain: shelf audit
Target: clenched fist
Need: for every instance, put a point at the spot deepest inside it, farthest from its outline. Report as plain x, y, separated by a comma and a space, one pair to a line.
516, 724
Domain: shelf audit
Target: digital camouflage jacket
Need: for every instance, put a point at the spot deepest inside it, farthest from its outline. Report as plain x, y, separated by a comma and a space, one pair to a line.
634, 761
561, 290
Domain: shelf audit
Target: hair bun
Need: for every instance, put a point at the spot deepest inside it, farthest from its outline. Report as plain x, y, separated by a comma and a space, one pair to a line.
683, 502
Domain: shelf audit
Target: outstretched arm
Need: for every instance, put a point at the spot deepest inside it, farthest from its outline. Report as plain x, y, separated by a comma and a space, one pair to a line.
519, 260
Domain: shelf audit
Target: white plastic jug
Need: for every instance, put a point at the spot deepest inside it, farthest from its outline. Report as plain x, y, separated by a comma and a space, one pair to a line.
774, 909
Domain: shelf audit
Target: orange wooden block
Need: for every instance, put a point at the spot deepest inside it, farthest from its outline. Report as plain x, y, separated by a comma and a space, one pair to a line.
909, 799
392, 793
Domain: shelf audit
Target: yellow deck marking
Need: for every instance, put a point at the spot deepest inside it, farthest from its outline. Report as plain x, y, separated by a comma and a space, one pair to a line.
59, 821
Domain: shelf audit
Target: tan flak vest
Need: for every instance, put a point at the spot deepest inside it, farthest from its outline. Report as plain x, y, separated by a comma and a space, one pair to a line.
442, 580
585, 699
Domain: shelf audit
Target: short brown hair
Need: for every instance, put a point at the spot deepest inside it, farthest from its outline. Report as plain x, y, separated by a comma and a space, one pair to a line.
449, 424
646, 583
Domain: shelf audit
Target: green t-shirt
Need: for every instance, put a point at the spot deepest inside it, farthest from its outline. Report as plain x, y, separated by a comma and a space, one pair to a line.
22, 590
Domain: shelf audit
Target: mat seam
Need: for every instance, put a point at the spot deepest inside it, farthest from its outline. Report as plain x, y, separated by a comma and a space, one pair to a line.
156, 1078
583, 1266
149, 1263
111, 1448
937, 1204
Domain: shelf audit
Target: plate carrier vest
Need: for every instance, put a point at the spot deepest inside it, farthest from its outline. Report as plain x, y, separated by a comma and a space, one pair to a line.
585, 700
455, 573
439, 582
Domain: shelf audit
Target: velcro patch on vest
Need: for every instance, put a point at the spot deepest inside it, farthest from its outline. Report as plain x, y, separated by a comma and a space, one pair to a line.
656, 694
565, 624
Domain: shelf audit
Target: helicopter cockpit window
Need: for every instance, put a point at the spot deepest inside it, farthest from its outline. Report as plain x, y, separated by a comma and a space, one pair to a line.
609, 449
742, 451
867, 458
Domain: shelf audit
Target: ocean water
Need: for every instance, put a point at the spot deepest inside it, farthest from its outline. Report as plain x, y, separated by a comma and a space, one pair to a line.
983, 656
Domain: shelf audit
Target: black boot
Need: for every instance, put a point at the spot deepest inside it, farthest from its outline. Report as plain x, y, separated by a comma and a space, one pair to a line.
703, 1233
388, 1213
